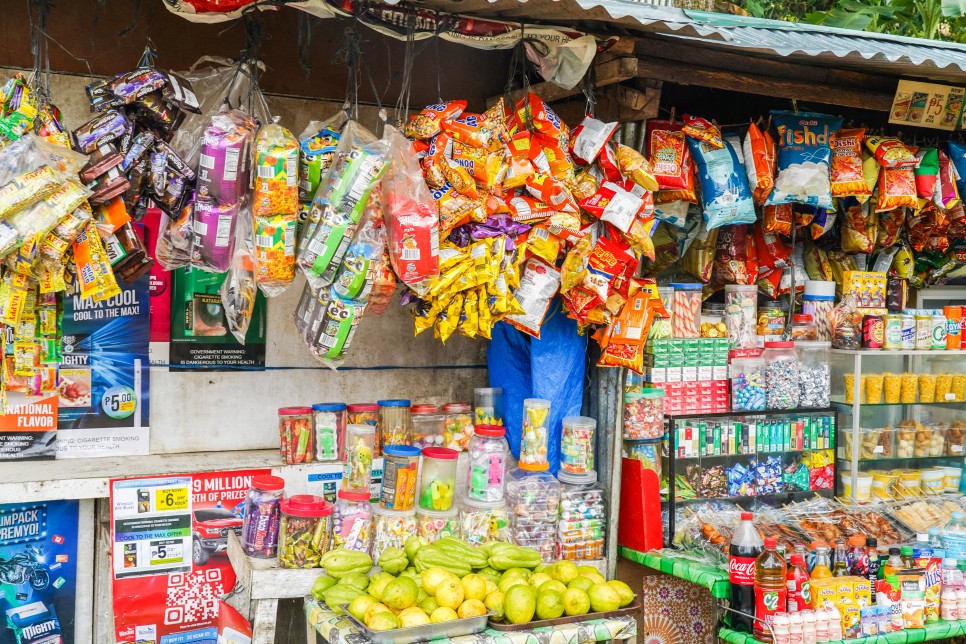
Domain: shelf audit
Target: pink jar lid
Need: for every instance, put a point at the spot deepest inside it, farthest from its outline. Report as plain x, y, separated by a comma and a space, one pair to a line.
294, 411
442, 453
363, 407
306, 505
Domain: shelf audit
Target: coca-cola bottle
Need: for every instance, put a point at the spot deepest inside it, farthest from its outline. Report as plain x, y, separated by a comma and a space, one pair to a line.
745, 547
771, 591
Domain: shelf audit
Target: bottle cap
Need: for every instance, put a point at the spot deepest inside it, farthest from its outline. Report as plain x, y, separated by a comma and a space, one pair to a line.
894, 551
798, 560
872, 542
905, 550
771, 542
747, 516
857, 540
820, 289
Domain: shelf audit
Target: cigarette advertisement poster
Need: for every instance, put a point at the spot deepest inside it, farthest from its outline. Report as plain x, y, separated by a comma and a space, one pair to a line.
175, 607
103, 381
38, 571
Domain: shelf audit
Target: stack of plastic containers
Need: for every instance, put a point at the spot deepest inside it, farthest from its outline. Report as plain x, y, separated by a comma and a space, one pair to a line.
533, 501
483, 512
583, 517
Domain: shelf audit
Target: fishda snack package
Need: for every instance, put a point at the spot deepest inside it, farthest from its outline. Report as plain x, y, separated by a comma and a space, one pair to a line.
803, 158
724, 184
848, 178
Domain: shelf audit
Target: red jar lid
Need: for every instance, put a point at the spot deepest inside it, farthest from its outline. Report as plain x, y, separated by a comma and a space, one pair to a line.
457, 408
306, 505
442, 453
363, 407
779, 345
424, 409
801, 318
354, 496
268, 483
490, 430
294, 411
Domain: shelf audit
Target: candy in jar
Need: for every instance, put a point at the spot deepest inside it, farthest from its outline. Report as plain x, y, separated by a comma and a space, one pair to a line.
352, 521
781, 375
437, 485
259, 537
296, 441
458, 426
686, 310
740, 314
363, 414
747, 385
533, 502
391, 528
533, 442
487, 467
644, 414
427, 422
433, 524
489, 405
357, 466
400, 473
330, 421
303, 533
482, 521
577, 444
583, 517
395, 423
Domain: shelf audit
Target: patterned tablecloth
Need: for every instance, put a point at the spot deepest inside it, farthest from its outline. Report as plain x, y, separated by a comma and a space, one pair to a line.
336, 629
710, 577
935, 631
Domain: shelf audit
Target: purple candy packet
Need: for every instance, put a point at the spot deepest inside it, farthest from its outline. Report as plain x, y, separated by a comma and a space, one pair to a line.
223, 164
131, 86
213, 235
103, 128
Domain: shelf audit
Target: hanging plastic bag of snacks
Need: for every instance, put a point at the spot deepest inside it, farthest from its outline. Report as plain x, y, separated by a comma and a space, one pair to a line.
239, 290
803, 158
724, 184
848, 177
275, 207
759, 155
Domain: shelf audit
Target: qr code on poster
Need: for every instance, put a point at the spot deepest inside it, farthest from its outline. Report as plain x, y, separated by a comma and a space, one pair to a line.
193, 597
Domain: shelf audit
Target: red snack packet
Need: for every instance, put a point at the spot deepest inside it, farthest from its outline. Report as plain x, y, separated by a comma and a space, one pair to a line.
890, 152
527, 209
551, 192
606, 261
897, 188
957, 221
927, 172
589, 138
759, 152
777, 219
428, 122
702, 130
615, 205
607, 161
669, 155
772, 251
848, 179
735, 258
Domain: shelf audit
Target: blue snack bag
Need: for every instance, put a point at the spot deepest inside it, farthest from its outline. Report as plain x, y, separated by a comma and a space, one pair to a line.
35, 623
803, 158
724, 184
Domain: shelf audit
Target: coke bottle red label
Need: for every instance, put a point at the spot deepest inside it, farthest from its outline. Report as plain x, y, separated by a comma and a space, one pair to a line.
741, 570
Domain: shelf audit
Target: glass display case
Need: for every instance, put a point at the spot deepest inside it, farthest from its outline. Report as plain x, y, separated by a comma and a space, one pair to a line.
903, 418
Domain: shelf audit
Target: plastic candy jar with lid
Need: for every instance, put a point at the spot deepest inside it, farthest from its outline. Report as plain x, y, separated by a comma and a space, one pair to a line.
427, 425
458, 423
295, 433
395, 423
535, 434
259, 537
391, 528
815, 374
437, 485
782, 369
771, 318
485, 477
352, 521
488, 402
803, 327
482, 521
330, 422
357, 467
747, 384
434, 525
364, 414
303, 533
686, 310
644, 414
577, 444
533, 502
583, 517
399, 476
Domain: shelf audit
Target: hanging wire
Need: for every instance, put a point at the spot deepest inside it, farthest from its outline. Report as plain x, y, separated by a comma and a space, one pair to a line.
518, 67
303, 44
39, 47
589, 87
350, 55
409, 61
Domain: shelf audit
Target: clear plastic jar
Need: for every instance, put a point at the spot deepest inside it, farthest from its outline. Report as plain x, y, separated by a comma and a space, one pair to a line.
391, 528
295, 433
488, 402
364, 414
747, 385
686, 310
771, 318
352, 521
533, 503
713, 321
583, 517
577, 444
815, 374
486, 474
437, 485
644, 415
647, 452
428, 426
741, 310
535, 434
458, 425
259, 536
399, 475
634, 383
395, 423
360, 442
434, 525
803, 327
782, 367
303, 533
330, 422
482, 521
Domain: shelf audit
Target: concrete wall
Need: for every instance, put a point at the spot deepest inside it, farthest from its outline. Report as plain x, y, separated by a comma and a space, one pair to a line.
193, 412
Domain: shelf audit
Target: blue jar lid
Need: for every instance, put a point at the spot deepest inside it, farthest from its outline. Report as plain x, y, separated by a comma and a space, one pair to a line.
818, 298
686, 287
396, 402
328, 407
401, 450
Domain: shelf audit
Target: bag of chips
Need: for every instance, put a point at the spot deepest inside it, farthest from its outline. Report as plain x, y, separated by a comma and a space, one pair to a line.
724, 184
539, 284
635, 167
700, 129
848, 178
736, 258
803, 158
589, 138
890, 223
897, 188
890, 152
699, 257
670, 156
239, 290
428, 123
777, 219
759, 157
858, 226
927, 172
946, 194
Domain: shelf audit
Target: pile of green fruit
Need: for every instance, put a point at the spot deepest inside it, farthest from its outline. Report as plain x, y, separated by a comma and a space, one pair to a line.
451, 579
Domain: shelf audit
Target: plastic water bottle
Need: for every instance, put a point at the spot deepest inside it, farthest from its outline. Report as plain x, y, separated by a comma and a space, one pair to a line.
954, 537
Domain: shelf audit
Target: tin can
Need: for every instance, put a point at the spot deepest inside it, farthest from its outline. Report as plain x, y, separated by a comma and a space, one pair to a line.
954, 328
923, 330
893, 332
938, 331
908, 338
873, 332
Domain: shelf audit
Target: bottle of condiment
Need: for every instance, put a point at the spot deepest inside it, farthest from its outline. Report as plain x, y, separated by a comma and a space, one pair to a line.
893, 564
841, 566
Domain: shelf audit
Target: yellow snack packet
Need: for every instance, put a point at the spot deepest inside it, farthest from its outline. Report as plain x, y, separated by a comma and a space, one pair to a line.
26, 189
424, 316
470, 317
94, 274
447, 324
485, 320
14, 297
543, 244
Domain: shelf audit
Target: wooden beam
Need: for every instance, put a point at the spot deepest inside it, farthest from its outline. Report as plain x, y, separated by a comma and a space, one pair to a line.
686, 74
607, 73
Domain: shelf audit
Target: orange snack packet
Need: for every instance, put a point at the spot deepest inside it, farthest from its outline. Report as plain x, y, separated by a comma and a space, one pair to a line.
848, 177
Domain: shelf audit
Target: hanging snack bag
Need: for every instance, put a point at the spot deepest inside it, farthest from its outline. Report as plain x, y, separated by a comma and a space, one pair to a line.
890, 152
778, 219
428, 123
635, 167
848, 177
213, 228
927, 172
317, 146
701, 129
615, 205
276, 172
589, 138
946, 195
669, 155
889, 225
223, 163
957, 154
239, 290
897, 188
538, 286
803, 158
759, 156
858, 226
724, 184
699, 257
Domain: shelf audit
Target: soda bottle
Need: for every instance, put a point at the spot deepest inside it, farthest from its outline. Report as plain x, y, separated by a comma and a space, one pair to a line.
873, 556
893, 565
822, 568
841, 566
745, 547
797, 581
771, 592
859, 556
812, 551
